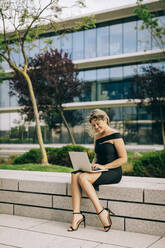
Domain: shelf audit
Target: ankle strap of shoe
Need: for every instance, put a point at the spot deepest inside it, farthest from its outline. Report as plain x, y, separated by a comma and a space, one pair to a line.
100, 211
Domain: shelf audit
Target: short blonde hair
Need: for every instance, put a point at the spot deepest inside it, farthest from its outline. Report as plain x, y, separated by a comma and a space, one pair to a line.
98, 114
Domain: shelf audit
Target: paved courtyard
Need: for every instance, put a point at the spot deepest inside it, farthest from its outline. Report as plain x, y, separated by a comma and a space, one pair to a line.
24, 232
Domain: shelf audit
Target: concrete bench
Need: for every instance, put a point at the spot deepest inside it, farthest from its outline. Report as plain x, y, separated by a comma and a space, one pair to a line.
139, 203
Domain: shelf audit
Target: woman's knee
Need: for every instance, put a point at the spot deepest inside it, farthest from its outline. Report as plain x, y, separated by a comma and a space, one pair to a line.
75, 177
82, 178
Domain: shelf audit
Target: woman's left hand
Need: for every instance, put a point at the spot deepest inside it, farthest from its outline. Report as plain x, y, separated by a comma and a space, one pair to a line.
99, 166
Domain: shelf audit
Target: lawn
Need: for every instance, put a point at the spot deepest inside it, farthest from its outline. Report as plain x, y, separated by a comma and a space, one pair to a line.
36, 167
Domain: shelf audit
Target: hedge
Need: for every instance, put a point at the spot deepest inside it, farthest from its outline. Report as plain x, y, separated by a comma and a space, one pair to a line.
151, 164
58, 156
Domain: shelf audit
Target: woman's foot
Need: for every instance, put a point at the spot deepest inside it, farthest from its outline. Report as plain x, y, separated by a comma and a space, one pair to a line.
77, 219
104, 216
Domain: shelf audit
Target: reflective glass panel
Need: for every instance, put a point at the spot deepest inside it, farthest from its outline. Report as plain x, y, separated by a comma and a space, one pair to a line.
159, 43
103, 74
102, 78
44, 44
56, 42
143, 38
115, 85
15, 54
66, 44
34, 48
128, 73
140, 68
159, 65
90, 43
5, 65
103, 41
27, 51
4, 123
112, 90
116, 39
89, 86
81, 75
4, 94
78, 45
116, 73
129, 35
90, 75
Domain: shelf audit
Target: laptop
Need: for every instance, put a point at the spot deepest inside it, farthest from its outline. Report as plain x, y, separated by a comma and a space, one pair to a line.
80, 161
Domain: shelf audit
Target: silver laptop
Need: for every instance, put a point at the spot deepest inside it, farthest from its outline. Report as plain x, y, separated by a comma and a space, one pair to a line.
80, 161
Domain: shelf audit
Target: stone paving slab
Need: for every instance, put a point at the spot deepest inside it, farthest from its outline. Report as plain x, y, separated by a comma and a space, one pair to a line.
29, 232
6, 246
19, 221
159, 244
17, 231
30, 239
113, 237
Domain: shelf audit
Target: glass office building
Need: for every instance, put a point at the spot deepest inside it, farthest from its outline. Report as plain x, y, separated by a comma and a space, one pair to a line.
107, 58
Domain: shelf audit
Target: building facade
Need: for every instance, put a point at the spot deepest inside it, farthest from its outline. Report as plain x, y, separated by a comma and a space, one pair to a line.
107, 58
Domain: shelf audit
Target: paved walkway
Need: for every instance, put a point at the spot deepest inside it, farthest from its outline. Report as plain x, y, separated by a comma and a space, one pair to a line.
18, 232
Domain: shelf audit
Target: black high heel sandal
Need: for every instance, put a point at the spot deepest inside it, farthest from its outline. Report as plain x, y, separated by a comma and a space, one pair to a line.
78, 223
107, 228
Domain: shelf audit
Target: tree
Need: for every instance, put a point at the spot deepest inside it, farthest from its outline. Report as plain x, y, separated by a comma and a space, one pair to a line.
55, 82
149, 87
28, 19
152, 23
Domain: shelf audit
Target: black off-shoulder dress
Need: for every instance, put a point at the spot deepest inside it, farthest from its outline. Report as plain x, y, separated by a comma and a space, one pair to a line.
106, 153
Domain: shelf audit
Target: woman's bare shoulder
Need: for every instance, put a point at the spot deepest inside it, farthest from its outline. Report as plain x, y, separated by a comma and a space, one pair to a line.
96, 136
114, 130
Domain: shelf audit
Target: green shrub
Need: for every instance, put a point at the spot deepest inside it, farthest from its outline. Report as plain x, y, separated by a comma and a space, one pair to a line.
33, 156
151, 164
58, 156
61, 156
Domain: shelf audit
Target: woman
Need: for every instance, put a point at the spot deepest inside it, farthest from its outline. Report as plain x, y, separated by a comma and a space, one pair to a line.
110, 153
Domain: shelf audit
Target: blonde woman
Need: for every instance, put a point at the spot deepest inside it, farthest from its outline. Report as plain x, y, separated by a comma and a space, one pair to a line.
110, 153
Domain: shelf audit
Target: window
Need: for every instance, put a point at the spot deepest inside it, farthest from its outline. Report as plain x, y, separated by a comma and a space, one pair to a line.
78, 45
115, 39
90, 43
15, 54
102, 84
4, 96
56, 42
103, 41
44, 44
34, 48
89, 86
144, 38
66, 44
129, 35
159, 43
128, 73
115, 85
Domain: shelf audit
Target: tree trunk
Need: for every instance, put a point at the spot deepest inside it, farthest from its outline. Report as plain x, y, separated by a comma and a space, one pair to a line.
36, 115
67, 126
162, 125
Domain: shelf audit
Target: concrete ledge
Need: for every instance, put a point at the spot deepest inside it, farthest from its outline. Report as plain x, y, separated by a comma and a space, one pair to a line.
138, 203
6, 208
149, 227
